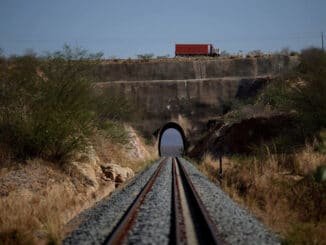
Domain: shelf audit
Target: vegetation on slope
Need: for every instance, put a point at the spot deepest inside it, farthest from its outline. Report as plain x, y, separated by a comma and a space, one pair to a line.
302, 92
282, 181
57, 131
48, 106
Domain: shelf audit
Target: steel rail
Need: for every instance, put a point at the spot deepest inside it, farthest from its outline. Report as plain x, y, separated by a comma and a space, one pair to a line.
205, 226
178, 227
120, 232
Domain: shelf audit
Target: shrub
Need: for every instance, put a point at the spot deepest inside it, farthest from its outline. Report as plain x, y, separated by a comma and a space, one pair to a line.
163, 56
224, 53
112, 107
115, 131
256, 53
145, 56
308, 196
309, 99
303, 91
275, 94
47, 103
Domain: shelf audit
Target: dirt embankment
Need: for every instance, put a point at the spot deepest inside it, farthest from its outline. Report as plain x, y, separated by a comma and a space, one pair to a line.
242, 136
285, 191
280, 183
38, 198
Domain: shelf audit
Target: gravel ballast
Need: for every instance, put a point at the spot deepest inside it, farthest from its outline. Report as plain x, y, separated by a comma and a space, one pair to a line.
154, 218
234, 223
100, 220
153, 221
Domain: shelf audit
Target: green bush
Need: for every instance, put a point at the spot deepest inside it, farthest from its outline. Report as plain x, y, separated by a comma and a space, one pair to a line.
47, 104
115, 131
145, 56
309, 100
276, 94
163, 56
112, 111
302, 92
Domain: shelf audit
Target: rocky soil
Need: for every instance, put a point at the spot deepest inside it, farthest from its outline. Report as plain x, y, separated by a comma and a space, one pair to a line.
38, 197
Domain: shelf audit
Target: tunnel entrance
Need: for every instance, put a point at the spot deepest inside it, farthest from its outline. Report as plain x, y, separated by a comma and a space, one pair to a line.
172, 140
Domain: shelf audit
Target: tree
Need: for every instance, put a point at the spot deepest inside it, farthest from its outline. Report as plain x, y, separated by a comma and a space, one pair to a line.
145, 56
255, 53
224, 53
47, 107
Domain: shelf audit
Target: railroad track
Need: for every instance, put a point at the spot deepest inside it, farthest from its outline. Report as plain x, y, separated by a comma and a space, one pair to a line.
169, 203
190, 222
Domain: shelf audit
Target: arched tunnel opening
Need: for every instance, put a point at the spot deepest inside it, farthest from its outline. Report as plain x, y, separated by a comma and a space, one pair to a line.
172, 140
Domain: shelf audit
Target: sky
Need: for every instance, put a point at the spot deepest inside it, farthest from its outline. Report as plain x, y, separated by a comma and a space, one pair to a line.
171, 143
125, 28
171, 137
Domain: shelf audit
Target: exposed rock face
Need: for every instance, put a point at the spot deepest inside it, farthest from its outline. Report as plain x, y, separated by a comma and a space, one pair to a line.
83, 172
117, 173
136, 148
85, 168
90, 171
37, 193
239, 137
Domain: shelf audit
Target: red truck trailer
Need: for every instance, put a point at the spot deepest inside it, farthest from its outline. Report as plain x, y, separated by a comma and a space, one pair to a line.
195, 49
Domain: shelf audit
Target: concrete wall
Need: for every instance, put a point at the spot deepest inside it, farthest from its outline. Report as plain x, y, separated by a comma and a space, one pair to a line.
197, 89
173, 69
196, 99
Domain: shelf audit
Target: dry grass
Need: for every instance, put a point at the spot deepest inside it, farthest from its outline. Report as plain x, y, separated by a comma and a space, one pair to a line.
5, 156
117, 153
209, 167
32, 216
38, 198
278, 189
